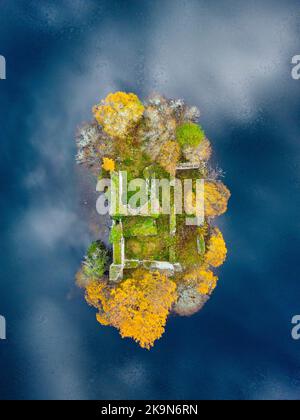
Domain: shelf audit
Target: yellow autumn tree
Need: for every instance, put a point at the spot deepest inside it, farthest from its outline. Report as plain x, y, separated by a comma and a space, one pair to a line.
108, 164
216, 251
216, 196
138, 307
202, 279
118, 113
95, 293
169, 156
207, 282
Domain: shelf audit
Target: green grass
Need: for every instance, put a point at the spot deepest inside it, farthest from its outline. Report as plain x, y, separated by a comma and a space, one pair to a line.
200, 244
139, 226
117, 253
115, 234
153, 249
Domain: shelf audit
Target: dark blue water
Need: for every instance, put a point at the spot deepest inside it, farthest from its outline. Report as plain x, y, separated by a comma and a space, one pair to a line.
231, 59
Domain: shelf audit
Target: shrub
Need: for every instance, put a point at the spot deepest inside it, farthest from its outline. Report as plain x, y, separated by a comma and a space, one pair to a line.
189, 134
108, 164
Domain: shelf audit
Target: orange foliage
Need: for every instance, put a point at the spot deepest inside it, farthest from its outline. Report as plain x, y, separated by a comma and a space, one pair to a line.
138, 307
203, 279
216, 196
207, 282
95, 293
216, 253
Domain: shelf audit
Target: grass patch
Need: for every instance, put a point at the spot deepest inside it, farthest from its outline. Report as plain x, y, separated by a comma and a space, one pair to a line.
139, 226
115, 233
187, 243
152, 249
117, 253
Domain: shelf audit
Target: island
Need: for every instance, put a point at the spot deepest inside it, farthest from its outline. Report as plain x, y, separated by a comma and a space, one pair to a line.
151, 164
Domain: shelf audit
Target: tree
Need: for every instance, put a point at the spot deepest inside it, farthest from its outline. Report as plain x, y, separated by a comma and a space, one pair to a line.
169, 156
96, 261
189, 134
198, 154
202, 278
92, 144
138, 307
216, 196
157, 128
118, 113
207, 282
216, 252
96, 293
